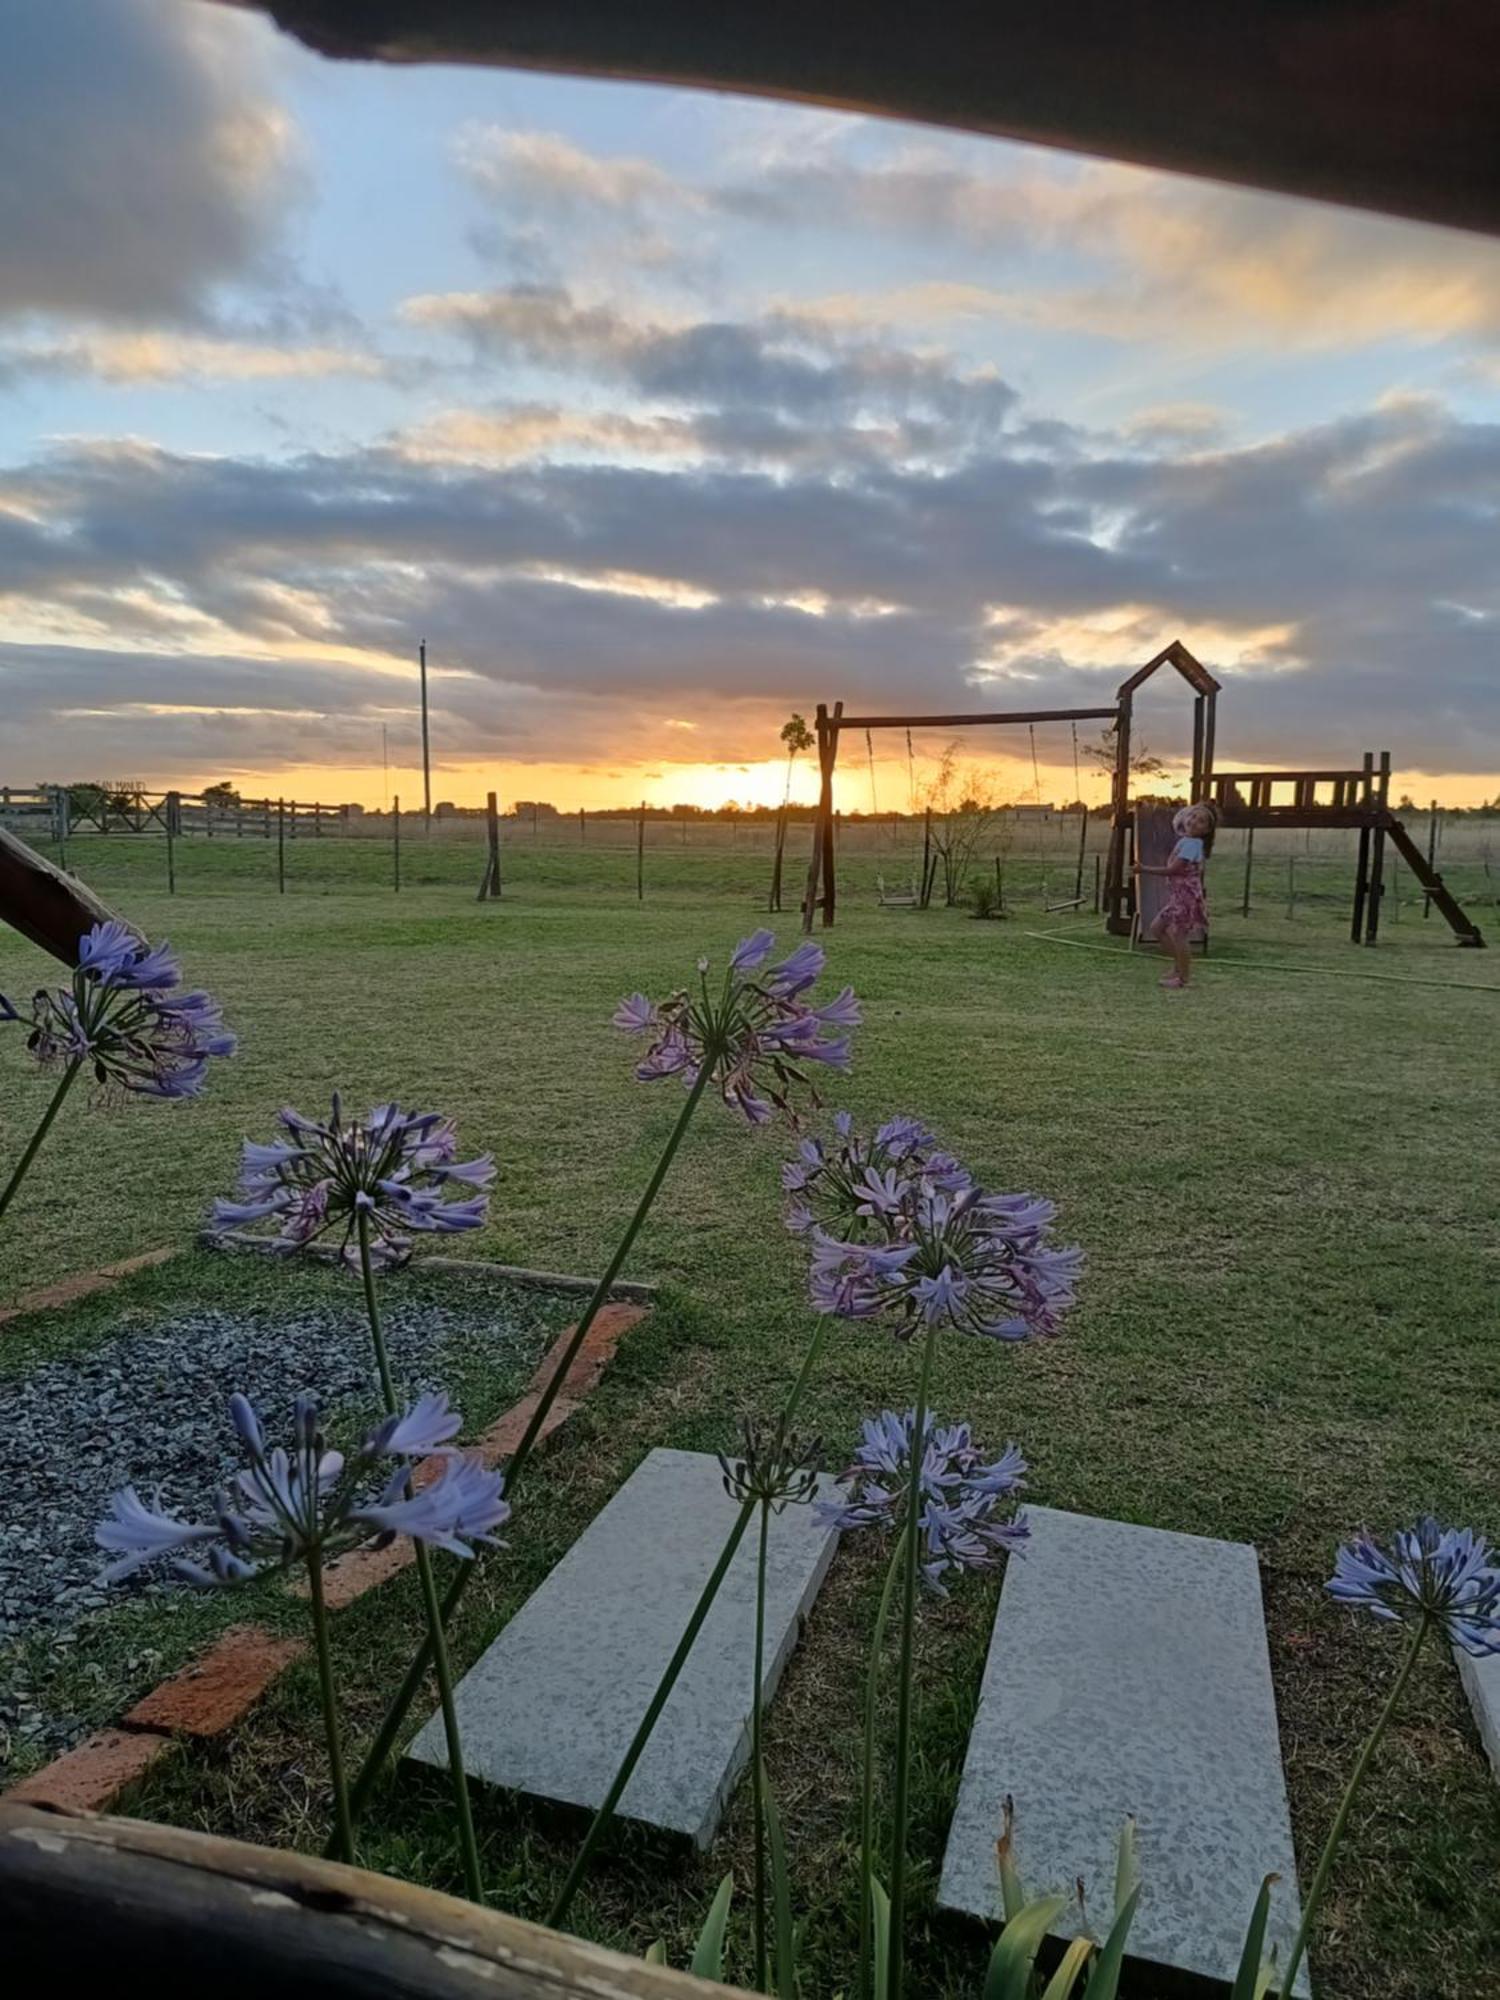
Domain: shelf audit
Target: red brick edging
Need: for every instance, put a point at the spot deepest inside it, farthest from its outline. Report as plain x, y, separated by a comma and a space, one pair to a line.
217, 1690
67, 1290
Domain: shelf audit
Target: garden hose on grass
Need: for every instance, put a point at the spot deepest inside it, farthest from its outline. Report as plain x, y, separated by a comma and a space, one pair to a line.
1272, 965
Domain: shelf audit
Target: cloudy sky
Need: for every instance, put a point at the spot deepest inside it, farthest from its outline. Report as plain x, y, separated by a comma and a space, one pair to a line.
659, 414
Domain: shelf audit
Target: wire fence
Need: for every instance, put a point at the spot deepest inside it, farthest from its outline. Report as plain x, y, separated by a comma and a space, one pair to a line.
1029, 860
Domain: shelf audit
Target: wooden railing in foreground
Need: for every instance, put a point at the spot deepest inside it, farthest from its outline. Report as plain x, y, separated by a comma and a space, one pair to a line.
87, 1903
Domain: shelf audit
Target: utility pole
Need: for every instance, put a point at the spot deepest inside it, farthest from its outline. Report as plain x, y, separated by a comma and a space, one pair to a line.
426, 748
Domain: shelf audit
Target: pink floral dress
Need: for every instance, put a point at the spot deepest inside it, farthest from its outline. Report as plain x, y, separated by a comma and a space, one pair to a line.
1186, 908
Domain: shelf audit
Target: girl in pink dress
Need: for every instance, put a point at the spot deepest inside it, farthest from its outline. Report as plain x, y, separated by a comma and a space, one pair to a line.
1185, 910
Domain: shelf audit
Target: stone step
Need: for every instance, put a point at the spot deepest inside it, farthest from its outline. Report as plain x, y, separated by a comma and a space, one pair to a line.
1481, 1679
1128, 1672
551, 1707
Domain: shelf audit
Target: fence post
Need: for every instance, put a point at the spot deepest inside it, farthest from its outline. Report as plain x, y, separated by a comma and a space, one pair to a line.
582, 835
490, 886
1083, 838
396, 843
174, 803
1249, 864
640, 855
1432, 826
281, 847
317, 821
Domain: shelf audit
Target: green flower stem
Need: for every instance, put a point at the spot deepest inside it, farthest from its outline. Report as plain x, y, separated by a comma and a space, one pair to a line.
372, 1310
437, 1639
865, 1987
901, 1801
437, 1644
757, 1773
34, 1144
678, 1661
395, 1715
1341, 1817
343, 1838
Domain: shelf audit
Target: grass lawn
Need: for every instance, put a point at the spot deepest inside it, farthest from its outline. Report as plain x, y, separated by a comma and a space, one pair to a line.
1285, 1183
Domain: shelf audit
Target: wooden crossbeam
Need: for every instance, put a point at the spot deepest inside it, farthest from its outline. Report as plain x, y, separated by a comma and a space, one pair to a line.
992, 715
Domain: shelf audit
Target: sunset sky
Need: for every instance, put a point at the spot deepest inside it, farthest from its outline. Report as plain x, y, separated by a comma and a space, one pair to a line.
659, 414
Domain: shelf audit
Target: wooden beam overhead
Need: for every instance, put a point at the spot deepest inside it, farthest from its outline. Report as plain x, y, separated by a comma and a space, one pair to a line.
1381, 104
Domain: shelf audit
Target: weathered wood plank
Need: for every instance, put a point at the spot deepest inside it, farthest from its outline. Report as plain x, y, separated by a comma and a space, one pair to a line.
123, 1905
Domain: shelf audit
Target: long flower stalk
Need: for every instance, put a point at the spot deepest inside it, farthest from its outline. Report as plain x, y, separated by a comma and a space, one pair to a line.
343, 1824
757, 1769
867, 1790
44, 1126
679, 1659
395, 1715
436, 1642
901, 1790
1420, 1628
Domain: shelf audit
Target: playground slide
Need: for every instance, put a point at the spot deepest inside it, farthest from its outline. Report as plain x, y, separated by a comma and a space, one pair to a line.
1154, 841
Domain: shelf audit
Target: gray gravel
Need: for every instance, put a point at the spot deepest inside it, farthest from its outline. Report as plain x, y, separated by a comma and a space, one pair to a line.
147, 1408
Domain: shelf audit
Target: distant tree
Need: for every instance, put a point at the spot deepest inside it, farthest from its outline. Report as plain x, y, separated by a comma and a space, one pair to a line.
221, 794
797, 737
963, 809
1103, 753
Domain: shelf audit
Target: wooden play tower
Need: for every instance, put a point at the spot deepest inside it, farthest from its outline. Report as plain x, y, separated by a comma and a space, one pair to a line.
1357, 798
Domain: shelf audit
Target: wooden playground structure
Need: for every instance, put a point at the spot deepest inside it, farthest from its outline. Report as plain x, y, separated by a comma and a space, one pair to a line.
1353, 797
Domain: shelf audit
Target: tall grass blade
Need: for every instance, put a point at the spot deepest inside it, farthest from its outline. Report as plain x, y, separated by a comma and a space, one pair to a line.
708, 1953
1009, 1975
1248, 1981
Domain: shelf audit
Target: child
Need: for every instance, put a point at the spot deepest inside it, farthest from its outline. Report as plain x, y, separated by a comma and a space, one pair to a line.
1185, 910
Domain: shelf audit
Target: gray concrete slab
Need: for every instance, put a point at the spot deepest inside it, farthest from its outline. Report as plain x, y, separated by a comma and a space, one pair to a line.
551, 1707
1128, 1672
1481, 1679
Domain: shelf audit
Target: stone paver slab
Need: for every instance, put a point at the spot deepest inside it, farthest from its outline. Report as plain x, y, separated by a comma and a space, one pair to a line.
1481, 1679
1129, 1673
551, 1707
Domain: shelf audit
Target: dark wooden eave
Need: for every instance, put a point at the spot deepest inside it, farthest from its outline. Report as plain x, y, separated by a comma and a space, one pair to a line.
1380, 104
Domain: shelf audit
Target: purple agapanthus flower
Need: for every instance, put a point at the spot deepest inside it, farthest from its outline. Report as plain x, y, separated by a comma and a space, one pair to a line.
1448, 1576
759, 1032
966, 1522
123, 1015
900, 1228
845, 1184
395, 1168
311, 1503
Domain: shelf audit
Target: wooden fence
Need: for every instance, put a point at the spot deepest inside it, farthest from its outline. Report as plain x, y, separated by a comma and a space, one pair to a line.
52, 812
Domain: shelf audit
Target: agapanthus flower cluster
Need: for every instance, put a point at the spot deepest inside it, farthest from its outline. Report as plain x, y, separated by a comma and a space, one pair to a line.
965, 1523
1447, 1576
396, 1169
312, 1503
122, 1014
774, 1465
759, 1031
901, 1229
843, 1186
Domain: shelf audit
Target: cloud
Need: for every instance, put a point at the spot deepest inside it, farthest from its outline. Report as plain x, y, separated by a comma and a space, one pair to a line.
1143, 254
779, 367
142, 161
1342, 574
160, 359
1122, 252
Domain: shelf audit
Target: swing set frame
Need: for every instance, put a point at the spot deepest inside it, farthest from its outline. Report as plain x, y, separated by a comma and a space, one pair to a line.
1355, 798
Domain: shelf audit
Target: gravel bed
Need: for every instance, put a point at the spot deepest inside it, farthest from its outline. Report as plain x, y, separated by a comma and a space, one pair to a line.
147, 1408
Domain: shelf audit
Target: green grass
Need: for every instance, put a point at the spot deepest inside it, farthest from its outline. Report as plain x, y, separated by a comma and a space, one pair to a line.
1284, 1181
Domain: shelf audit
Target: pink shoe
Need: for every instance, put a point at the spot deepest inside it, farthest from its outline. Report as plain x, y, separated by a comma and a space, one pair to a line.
1173, 984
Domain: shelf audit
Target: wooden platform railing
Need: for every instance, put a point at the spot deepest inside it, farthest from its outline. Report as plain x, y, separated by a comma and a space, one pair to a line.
89, 1904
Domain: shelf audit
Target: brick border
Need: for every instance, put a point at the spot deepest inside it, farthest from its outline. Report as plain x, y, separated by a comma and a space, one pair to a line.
212, 1693
67, 1290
